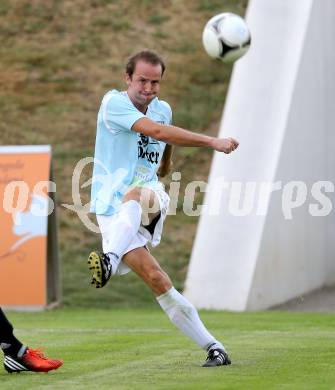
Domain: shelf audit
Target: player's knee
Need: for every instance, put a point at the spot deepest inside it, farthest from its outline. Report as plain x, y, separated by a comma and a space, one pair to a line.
159, 281
156, 277
133, 194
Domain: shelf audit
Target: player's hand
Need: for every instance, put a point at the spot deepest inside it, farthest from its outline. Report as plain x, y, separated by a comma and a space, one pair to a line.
225, 145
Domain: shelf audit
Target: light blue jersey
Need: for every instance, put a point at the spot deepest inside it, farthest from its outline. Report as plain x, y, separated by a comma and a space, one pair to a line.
123, 157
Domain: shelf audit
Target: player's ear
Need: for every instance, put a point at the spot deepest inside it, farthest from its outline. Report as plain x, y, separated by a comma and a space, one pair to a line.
127, 78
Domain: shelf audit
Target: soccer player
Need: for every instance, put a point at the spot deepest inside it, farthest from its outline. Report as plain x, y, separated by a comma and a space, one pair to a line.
18, 357
134, 138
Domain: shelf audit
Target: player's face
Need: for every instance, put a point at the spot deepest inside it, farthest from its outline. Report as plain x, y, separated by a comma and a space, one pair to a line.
143, 85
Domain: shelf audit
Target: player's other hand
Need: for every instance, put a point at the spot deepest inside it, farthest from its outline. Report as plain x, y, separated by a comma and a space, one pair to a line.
225, 145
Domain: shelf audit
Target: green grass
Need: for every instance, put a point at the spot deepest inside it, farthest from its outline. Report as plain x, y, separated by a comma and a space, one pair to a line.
127, 349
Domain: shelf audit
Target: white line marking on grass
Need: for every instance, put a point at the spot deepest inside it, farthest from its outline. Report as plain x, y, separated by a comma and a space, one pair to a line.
95, 330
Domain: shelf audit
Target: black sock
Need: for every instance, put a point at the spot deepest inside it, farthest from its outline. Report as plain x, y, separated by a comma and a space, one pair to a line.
13, 347
8, 342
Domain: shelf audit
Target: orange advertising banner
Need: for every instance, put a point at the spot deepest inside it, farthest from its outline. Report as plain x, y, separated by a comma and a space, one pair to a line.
25, 206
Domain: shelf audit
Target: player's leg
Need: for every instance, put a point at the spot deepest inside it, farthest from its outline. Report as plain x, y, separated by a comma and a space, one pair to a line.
118, 231
19, 357
146, 266
180, 311
8, 342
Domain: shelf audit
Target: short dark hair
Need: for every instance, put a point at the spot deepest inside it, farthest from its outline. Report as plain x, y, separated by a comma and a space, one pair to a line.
147, 56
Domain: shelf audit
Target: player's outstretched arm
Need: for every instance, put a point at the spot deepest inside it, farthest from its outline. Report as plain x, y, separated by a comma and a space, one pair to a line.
177, 136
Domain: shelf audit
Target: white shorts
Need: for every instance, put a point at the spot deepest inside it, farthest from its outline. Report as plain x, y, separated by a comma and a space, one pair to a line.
143, 236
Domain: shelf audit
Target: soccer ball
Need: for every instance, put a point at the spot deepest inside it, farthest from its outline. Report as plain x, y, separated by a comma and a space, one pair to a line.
226, 37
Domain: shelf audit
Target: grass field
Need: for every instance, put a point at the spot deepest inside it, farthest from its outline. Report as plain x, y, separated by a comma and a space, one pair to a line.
140, 349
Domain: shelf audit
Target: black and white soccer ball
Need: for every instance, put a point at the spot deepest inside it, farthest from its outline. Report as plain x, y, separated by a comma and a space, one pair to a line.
226, 37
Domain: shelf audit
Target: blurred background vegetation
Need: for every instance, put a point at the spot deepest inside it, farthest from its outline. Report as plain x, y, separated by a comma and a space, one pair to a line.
58, 58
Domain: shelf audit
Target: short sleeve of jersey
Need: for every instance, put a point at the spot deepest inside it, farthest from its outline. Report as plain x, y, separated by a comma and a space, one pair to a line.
119, 114
170, 115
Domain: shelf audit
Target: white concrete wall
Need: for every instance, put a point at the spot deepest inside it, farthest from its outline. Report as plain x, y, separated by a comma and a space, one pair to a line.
280, 106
